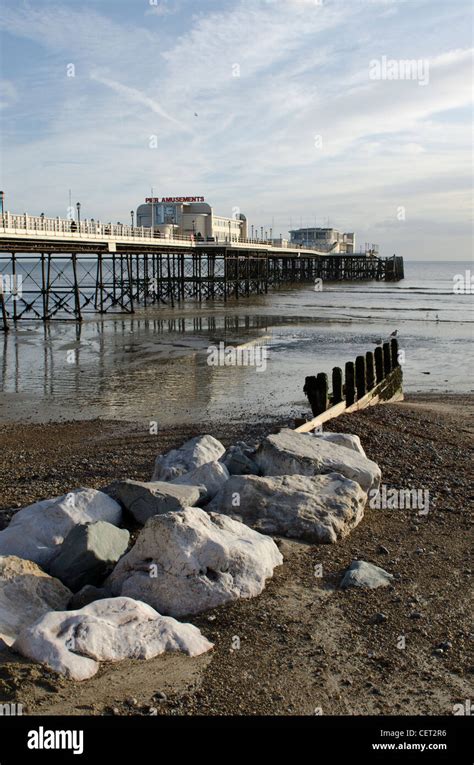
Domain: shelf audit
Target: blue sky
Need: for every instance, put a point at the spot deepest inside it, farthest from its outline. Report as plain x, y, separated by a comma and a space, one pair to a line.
290, 127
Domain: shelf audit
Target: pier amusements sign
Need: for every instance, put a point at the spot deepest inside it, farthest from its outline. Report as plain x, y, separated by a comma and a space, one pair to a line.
171, 200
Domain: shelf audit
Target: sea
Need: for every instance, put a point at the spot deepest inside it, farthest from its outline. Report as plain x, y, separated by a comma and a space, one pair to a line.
177, 365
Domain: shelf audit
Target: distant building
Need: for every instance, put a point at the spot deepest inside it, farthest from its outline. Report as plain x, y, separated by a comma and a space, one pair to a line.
186, 216
325, 239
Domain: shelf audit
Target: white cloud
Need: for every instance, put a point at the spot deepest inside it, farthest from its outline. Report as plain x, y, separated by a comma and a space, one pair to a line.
8, 94
303, 71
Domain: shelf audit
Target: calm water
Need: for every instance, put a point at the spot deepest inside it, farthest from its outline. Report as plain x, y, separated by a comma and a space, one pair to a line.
154, 366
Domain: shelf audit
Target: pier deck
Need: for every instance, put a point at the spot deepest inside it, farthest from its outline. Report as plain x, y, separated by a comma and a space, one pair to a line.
50, 272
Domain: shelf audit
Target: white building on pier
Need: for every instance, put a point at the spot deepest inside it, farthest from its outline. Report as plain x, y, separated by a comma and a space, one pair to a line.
324, 239
190, 216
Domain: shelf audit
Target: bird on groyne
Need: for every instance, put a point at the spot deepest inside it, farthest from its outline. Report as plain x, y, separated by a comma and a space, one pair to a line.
379, 340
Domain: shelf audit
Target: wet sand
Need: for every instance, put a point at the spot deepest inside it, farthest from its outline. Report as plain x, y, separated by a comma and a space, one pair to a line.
305, 645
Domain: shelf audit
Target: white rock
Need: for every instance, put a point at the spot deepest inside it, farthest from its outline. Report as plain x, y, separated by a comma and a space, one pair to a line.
190, 561
192, 454
322, 508
26, 593
36, 531
290, 453
144, 499
348, 440
74, 642
363, 574
212, 476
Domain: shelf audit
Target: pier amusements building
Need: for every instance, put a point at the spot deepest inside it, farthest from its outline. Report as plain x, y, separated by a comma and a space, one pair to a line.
190, 216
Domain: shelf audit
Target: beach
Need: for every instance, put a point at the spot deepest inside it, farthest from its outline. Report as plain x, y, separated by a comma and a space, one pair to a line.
306, 647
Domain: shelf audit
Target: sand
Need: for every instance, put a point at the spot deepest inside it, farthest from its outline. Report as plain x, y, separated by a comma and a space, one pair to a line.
305, 646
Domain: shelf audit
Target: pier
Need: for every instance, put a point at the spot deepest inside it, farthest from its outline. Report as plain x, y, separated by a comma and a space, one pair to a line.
57, 269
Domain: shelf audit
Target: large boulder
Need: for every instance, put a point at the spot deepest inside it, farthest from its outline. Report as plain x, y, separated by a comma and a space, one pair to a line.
87, 554
211, 477
26, 593
192, 454
239, 459
290, 453
144, 499
86, 595
363, 574
348, 440
190, 561
74, 642
36, 531
321, 508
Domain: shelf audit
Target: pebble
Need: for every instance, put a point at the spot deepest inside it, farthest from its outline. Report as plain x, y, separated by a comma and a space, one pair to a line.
416, 615
446, 645
379, 618
383, 550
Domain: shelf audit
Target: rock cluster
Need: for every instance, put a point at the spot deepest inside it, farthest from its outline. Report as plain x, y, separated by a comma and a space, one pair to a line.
208, 515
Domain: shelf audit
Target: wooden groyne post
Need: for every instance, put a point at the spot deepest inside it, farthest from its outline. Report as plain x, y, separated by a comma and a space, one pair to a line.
373, 378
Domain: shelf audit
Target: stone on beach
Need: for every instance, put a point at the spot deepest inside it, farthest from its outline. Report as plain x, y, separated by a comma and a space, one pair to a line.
191, 561
88, 552
26, 593
145, 499
192, 454
239, 460
321, 508
348, 440
290, 453
212, 476
74, 642
35, 532
363, 574
86, 595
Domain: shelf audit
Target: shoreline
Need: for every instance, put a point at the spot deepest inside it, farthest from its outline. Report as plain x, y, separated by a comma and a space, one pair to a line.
304, 643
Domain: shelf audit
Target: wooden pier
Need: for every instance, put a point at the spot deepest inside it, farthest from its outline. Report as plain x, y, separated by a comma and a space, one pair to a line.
50, 272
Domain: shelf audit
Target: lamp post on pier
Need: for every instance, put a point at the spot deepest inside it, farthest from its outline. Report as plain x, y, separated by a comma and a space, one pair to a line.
78, 208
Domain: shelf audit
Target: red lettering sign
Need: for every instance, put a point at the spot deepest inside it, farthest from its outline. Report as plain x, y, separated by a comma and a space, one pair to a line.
173, 200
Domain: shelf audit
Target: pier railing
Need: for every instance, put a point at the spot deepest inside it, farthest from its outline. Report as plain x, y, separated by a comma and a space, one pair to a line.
371, 379
35, 226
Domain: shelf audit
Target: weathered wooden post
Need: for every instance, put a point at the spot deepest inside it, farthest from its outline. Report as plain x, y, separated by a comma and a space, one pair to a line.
394, 352
370, 370
360, 376
387, 359
350, 382
336, 385
378, 355
317, 391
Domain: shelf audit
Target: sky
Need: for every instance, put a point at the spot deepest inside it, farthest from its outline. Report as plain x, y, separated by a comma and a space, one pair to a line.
293, 112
